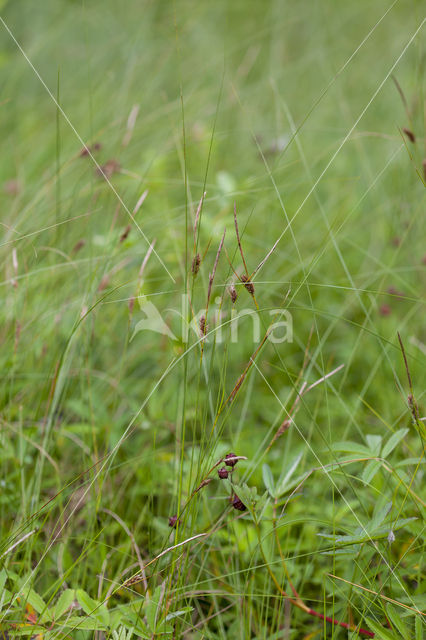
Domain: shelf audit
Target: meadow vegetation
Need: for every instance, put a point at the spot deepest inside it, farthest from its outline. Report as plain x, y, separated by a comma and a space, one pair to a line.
176, 178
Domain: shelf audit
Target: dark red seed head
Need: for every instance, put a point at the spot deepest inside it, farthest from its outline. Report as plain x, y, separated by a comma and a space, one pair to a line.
223, 473
173, 520
230, 460
237, 504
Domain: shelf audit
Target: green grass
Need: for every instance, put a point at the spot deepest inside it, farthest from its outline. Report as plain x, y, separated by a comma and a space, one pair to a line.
295, 113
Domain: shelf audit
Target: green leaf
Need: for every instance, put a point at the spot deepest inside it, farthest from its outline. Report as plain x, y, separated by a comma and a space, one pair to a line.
134, 622
3, 577
410, 461
64, 602
181, 612
268, 479
92, 607
370, 471
419, 628
397, 622
284, 484
82, 622
393, 441
247, 495
353, 448
37, 602
153, 606
381, 632
379, 515
374, 444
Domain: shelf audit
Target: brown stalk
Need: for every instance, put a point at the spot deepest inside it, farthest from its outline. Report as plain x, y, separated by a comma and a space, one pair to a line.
242, 377
203, 321
238, 238
411, 401
295, 406
197, 216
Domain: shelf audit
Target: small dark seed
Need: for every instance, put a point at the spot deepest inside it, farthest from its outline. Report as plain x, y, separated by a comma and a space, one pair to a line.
410, 135
173, 520
237, 504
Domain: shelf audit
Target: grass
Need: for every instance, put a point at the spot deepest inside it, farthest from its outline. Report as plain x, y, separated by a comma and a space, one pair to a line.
309, 119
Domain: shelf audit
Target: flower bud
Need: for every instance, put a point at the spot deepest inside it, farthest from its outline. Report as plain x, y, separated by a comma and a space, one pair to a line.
230, 460
238, 504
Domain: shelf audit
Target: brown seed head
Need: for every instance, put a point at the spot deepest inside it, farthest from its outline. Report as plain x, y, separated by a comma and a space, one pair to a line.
203, 326
202, 484
410, 135
248, 284
125, 233
233, 293
108, 169
196, 264
80, 244
86, 150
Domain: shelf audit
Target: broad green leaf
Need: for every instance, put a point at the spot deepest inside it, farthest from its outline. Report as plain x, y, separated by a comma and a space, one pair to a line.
37, 603
181, 612
64, 602
374, 443
365, 536
370, 471
132, 621
379, 515
393, 441
3, 577
419, 628
268, 479
397, 622
382, 633
92, 607
3, 592
352, 447
82, 622
410, 461
283, 486
153, 607
31, 630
